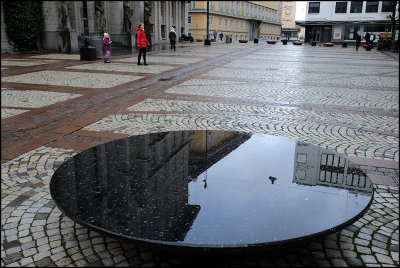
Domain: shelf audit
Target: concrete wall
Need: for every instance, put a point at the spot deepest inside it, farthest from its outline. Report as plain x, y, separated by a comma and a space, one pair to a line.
5, 45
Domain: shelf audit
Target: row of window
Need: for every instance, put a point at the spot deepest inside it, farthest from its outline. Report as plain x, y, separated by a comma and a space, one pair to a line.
238, 8
264, 27
355, 7
243, 37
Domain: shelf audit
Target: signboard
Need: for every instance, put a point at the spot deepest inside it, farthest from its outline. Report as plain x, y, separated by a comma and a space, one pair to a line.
337, 33
288, 14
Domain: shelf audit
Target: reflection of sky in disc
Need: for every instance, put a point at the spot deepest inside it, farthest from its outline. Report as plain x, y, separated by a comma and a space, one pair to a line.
240, 204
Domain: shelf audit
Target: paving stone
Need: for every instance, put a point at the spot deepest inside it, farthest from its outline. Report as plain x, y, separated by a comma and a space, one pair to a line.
288, 100
383, 258
368, 259
338, 263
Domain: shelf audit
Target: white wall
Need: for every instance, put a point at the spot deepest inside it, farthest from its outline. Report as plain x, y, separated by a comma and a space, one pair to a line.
327, 13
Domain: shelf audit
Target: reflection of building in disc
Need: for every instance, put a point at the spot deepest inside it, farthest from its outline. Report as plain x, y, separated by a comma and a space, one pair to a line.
136, 186
208, 147
318, 166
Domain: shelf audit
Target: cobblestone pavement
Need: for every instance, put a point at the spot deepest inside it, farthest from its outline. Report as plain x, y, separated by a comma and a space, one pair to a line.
54, 106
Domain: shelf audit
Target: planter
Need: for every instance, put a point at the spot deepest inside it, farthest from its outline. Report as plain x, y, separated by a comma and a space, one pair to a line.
271, 42
367, 47
329, 44
199, 40
243, 41
297, 43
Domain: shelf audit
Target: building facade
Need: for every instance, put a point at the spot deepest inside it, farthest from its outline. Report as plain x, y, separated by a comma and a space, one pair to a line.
241, 20
289, 29
67, 23
338, 22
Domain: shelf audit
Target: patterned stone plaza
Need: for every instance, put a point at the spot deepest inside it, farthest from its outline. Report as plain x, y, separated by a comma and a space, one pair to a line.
54, 106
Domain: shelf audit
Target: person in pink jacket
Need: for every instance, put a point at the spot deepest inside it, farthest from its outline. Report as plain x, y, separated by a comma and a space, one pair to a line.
107, 47
142, 43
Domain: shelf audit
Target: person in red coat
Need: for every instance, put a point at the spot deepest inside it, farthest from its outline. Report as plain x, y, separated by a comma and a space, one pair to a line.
142, 43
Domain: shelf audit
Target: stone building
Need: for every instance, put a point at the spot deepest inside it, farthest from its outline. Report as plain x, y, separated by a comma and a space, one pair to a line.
239, 20
66, 23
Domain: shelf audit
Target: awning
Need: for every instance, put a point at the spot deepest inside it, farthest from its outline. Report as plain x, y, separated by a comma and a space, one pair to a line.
308, 23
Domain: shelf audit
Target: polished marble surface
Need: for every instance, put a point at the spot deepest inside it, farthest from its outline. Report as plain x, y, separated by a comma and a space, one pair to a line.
211, 189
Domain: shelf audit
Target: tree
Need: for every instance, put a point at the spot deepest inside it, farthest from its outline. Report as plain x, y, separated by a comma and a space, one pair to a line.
24, 23
394, 20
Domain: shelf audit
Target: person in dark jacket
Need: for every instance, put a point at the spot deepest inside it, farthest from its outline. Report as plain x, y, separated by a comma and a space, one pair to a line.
367, 38
142, 43
358, 40
172, 38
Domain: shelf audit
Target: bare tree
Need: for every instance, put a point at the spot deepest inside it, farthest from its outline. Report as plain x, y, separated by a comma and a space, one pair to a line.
394, 20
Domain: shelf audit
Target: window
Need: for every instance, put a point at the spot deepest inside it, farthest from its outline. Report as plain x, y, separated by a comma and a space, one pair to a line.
189, 19
375, 28
387, 6
162, 10
350, 32
173, 9
301, 174
356, 7
341, 7
371, 7
163, 32
313, 7
220, 22
221, 8
211, 5
226, 22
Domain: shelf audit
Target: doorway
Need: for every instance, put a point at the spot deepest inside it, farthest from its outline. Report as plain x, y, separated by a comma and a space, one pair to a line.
326, 34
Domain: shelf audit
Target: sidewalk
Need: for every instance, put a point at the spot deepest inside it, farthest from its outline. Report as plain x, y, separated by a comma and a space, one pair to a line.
54, 106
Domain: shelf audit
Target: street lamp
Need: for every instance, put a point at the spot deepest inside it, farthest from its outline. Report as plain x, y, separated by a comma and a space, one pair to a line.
207, 41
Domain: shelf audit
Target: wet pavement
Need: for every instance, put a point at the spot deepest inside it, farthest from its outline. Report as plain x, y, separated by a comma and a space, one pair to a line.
54, 106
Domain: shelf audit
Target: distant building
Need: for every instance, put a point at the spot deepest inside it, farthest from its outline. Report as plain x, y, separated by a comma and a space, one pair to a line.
241, 20
331, 21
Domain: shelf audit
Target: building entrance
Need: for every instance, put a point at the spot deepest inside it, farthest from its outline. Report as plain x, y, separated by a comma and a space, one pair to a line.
326, 34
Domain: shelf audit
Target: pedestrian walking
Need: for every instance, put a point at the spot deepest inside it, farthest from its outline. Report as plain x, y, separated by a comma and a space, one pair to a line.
372, 39
107, 47
142, 43
367, 38
215, 34
358, 40
172, 38
221, 35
